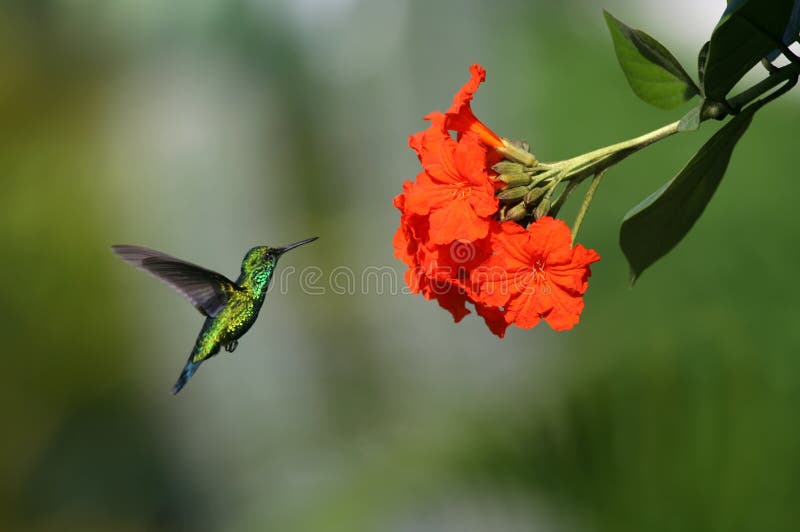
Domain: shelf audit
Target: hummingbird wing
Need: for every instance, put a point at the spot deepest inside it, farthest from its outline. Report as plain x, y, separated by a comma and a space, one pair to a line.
208, 291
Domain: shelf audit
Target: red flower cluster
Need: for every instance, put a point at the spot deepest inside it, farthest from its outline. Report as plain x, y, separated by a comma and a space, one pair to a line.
455, 248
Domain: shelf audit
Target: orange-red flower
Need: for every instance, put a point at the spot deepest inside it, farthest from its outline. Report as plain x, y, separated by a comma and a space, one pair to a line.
460, 117
436, 272
456, 250
455, 189
536, 274
448, 209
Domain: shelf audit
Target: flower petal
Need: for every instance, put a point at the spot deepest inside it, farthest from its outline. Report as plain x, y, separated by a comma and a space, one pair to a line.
470, 160
423, 196
460, 117
523, 311
494, 317
552, 239
511, 245
456, 220
450, 297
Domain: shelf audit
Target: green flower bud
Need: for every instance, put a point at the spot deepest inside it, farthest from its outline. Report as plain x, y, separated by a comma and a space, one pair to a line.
522, 144
515, 179
533, 195
508, 167
512, 194
542, 209
515, 213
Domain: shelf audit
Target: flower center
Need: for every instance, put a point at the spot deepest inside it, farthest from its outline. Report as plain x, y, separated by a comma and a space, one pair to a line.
461, 191
538, 271
540, 277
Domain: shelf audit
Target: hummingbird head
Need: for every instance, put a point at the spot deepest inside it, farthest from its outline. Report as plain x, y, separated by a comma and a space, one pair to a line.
261, 257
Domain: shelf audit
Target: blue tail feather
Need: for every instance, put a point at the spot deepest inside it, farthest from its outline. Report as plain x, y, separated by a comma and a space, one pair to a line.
186, 374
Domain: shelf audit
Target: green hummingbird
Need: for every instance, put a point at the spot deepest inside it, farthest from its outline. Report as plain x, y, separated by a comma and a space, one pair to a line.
230, 307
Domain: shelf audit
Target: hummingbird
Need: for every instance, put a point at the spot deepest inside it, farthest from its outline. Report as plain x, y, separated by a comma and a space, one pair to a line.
230, 307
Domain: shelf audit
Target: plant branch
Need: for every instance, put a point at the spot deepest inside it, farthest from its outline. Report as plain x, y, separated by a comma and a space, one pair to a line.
598, 160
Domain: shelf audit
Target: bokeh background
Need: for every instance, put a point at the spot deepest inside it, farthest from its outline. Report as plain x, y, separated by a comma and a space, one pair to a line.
202, 128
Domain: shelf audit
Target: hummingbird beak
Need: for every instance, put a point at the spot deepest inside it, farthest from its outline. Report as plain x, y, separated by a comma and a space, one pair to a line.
296, 244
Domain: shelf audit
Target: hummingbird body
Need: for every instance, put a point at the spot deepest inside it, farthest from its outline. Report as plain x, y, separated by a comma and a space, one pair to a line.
231, 307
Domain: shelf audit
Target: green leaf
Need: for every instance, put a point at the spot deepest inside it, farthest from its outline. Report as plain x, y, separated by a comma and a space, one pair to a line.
793, 27
747, 31
792, 30
652, 71
702, 57
652, 228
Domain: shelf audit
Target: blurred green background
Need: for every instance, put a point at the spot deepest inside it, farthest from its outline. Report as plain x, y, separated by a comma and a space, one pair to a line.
202, 128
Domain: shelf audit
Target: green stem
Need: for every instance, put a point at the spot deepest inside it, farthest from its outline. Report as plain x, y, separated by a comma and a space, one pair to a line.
562, 198
790, 71
597, 161
544, 204
601, 159
587, 199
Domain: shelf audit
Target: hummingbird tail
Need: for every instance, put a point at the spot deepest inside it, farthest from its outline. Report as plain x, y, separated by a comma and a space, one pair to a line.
186, 374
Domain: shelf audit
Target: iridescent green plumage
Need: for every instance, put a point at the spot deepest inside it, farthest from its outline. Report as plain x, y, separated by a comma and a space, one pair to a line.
231, 307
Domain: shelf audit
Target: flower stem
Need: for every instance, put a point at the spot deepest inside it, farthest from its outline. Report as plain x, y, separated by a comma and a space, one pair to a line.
596, 162
587, 199
562, 198
599, 160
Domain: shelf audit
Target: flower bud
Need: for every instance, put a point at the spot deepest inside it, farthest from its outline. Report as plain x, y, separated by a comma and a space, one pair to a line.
519, 151
533, 195
507, 167
522, 144
512, 194
515, 213
542, 209
515, 179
